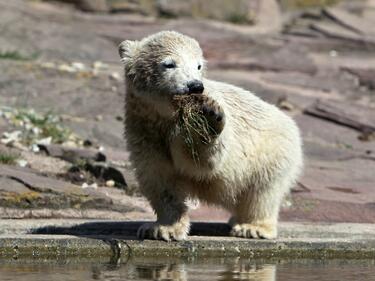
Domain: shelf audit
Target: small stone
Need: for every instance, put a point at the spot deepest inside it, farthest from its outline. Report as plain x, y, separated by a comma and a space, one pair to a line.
9, 138
115, 76
333, 53
66, 68
78, 66
50, 65
35, 148
35, 130
110, 183
98, 65
98, 117
284, 104
45, 141
22, 163
70, 143
86, 185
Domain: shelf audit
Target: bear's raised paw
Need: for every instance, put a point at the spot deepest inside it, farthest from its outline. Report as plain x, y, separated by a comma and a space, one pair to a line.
212, 111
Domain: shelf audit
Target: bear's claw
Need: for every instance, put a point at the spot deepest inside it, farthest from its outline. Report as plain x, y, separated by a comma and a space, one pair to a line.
157, 231
255, 230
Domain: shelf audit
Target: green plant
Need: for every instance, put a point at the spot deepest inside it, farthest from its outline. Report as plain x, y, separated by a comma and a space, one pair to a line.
41, 126
239, 19
307, 3
8, 158
15, 55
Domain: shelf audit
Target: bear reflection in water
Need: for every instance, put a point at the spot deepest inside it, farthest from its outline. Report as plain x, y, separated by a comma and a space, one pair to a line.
211, 269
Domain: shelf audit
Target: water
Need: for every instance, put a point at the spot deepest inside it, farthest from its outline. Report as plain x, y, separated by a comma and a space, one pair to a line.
224, 269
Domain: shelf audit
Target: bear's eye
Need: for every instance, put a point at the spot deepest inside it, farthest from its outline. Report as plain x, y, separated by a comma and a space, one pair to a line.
169, 64
199, 67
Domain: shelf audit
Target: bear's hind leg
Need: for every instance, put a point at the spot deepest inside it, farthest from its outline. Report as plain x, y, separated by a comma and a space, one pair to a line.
256, 214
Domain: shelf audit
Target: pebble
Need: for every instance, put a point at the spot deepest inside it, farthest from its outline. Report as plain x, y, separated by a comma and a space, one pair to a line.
286, 105
98, 65
67, 68
22, 163
115, 76
79, 66
70, 143
9, 138
110, 183
35, 148
93, 185
333, 53
45, 141
48, 65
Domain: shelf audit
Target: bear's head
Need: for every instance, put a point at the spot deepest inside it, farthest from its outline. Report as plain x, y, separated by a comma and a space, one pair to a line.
162, 65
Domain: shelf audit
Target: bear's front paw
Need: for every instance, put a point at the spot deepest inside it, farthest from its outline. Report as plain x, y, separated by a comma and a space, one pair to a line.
212, 111
255, 230
177, 231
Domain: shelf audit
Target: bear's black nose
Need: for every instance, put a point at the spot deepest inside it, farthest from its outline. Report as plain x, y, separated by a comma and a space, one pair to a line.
195, 87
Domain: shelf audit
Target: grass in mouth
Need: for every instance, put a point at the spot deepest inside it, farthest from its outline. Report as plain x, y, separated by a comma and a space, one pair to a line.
193, 125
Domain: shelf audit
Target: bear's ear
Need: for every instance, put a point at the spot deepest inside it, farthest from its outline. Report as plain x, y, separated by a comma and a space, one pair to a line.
127, 49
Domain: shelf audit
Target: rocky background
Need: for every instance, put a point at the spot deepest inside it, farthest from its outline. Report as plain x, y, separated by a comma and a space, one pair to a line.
62, 153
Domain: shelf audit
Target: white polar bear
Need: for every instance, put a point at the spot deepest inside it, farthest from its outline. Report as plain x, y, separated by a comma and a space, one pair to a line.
252, 160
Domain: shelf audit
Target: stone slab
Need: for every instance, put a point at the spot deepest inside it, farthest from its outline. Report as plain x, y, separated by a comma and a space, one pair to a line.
296, 241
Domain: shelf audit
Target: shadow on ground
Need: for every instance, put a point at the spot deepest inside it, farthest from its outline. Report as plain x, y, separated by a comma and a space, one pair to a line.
128, 229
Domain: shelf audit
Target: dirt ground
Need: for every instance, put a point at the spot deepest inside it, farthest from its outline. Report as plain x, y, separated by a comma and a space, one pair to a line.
319, 67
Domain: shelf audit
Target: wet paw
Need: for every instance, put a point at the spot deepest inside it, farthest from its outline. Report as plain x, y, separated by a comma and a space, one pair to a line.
177, 231
255, 230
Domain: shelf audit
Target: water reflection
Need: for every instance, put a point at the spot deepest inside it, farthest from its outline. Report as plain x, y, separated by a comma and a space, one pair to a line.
168, 272
201, 269
189, 269
246, 270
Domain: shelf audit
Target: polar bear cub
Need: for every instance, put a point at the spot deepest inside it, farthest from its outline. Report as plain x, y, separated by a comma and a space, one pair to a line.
251, 161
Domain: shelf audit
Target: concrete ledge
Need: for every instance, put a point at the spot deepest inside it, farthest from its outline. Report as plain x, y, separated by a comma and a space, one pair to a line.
108, 239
